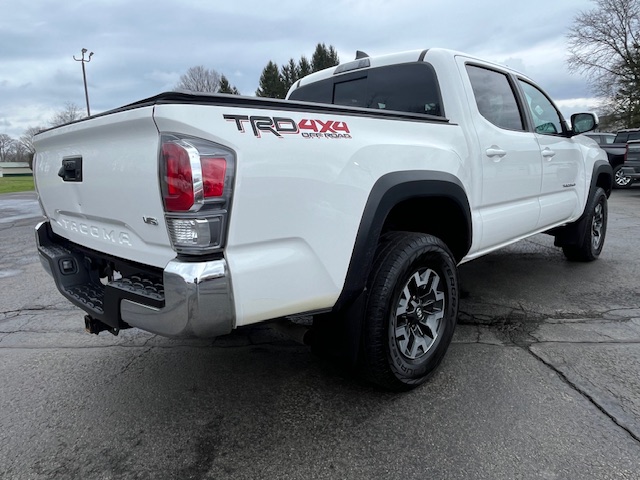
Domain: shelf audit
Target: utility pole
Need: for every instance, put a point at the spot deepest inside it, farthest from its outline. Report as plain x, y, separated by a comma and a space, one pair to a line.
84, 76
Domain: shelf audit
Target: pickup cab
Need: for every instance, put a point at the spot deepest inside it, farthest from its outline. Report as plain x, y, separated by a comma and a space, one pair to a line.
616, 153
352, 201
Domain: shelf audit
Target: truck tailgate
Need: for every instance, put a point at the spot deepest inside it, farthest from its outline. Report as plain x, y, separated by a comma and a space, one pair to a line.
99, 181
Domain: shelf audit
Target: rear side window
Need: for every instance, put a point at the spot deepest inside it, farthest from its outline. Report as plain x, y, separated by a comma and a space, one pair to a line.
352, 93
408, 87
495, 98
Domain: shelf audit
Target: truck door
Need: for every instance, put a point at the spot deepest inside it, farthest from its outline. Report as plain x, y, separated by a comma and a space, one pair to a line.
563, 169
510, 156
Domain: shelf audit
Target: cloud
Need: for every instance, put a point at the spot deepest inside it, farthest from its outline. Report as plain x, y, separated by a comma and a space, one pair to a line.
141, 48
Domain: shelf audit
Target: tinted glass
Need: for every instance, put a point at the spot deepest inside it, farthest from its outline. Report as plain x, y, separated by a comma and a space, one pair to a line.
405, 88
409, 87
318, 92
495, 98
351, 93
546, 119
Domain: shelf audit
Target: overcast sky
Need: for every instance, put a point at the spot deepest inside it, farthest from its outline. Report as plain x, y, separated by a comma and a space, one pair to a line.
142, 47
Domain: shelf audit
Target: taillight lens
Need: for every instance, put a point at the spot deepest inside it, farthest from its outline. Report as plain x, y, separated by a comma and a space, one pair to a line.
213, 175
179, 193
197, 182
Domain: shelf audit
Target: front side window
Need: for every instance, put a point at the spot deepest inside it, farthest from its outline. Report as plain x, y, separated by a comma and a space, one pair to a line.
546, 119
495, 98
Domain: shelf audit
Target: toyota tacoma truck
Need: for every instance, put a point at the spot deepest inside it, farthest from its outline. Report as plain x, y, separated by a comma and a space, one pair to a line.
352, 201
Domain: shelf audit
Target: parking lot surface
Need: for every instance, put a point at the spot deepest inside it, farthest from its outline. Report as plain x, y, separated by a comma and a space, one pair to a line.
542, 381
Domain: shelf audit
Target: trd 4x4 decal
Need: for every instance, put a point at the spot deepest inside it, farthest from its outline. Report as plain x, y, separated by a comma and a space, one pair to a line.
280, 126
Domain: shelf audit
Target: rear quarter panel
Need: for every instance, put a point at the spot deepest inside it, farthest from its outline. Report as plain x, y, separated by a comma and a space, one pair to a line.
298, 200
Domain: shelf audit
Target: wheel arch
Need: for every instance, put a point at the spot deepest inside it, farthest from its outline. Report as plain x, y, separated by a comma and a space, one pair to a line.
602, 177
573, 233
417, 201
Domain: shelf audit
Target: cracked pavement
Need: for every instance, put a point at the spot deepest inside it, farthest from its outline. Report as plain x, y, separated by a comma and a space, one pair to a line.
542, 381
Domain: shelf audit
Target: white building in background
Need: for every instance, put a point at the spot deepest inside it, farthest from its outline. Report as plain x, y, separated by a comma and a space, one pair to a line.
15, 169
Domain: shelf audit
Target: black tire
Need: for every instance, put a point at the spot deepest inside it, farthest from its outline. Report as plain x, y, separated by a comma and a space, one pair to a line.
417, 273
595, 230
619, 180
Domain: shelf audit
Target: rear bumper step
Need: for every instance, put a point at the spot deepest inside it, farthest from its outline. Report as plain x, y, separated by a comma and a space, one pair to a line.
186, 299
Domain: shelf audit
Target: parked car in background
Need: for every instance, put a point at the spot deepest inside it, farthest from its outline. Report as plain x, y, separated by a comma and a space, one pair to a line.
616, 152
631, 165
602, 138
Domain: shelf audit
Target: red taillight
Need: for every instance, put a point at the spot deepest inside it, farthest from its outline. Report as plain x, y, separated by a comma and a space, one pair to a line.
196, 180
213, 173
179, 178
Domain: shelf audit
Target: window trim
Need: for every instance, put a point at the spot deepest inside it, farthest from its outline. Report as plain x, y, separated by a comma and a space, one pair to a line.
524, 118
532, 126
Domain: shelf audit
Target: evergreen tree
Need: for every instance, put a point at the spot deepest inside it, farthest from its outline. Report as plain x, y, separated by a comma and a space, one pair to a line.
324, 57
275, 83
226, 87
271, 84
290, 74
304, 67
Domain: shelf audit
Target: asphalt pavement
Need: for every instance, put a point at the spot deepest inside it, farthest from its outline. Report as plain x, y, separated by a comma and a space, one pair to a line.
542, 381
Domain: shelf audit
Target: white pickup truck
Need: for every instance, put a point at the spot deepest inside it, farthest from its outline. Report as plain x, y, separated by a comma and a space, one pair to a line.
354, 200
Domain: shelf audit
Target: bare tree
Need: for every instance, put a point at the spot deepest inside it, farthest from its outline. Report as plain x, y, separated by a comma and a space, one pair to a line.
70, 113
6, 146
27, 138
27, 142
199, 79
18, 152
604, 44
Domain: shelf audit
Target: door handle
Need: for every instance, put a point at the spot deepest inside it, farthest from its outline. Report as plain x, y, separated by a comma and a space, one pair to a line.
496, 153
548, 153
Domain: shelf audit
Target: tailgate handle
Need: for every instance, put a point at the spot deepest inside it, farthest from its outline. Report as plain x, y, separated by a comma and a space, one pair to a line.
71, 170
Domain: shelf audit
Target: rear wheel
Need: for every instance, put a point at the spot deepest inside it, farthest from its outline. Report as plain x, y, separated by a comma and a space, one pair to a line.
620, 180
595, 225
411, 310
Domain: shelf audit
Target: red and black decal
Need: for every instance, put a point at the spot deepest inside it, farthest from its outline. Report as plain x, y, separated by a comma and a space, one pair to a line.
280, 126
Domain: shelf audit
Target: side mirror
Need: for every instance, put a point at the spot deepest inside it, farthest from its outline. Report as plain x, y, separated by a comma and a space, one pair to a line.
583, 122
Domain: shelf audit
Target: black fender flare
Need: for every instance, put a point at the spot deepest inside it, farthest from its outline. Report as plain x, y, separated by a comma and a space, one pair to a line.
573, 233
601, 167
343, 325
388, 191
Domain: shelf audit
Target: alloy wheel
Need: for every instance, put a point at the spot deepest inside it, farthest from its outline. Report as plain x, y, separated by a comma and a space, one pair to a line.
419, 313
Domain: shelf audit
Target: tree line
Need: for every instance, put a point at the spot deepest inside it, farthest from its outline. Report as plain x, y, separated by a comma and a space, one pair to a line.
22, 149
603, 45
274, 82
